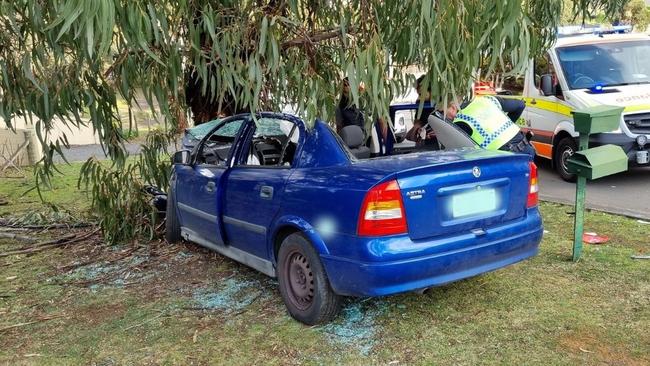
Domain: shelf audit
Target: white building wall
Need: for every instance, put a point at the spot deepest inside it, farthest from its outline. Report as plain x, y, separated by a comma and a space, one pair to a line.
12, 140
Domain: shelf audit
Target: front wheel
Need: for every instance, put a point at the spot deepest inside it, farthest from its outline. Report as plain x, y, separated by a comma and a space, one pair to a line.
565, 148
304, 286
172, 226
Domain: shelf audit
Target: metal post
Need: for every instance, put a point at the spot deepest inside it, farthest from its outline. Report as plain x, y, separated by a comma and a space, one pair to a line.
579, 218
580, 205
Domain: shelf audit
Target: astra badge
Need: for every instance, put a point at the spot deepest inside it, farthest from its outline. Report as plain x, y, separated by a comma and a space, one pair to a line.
476, 171
416, 194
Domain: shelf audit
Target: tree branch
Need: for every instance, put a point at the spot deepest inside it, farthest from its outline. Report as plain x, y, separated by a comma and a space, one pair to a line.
314, 38
118, 61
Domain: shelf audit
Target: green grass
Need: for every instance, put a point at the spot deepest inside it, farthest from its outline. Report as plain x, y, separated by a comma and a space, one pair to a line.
23, 198
545, 311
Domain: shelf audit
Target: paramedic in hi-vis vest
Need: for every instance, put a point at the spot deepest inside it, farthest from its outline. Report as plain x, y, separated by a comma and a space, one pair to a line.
486, 122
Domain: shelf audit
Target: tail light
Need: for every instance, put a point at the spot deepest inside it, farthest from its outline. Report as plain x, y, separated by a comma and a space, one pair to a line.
382, 211
533, 187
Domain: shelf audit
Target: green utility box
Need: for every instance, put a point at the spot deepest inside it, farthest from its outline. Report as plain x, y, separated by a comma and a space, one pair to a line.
593, 163
598, 162
602, 118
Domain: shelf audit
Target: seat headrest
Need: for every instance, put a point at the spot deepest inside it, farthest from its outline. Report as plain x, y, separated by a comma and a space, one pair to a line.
352, 136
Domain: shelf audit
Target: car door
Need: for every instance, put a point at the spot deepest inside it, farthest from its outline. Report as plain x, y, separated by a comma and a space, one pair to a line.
255, 183
199, 185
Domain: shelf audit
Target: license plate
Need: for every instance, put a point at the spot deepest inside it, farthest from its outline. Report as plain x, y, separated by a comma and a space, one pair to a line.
473, 203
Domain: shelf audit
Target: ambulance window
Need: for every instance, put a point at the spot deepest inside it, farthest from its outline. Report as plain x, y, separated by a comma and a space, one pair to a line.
514, 84
542, 66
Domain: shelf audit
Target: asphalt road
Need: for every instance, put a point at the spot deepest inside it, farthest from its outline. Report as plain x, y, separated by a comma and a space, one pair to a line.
626, 193
83, 152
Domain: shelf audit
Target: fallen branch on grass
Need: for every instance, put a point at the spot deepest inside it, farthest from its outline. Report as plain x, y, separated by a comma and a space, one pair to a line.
640, 257
50, 244
56, 226
161, 225
13, 225
13, 236
45, 318
9, 228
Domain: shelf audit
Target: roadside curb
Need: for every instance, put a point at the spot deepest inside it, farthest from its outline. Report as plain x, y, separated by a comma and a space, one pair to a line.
596, 207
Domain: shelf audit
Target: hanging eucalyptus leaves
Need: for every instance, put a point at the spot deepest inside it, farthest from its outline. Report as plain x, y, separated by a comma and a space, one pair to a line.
69, 60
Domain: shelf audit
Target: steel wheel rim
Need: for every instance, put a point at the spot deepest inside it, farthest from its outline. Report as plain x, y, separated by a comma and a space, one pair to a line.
300, 280
566, 154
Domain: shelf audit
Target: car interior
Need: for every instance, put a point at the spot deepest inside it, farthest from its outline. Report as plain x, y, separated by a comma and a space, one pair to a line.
215, 150
448, 136
274, 143
353, 138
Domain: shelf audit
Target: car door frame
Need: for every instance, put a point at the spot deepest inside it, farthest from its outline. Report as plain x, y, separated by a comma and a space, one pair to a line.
237, 165
185, 205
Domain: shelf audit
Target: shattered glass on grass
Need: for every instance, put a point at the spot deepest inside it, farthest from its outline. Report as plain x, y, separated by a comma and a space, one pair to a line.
232, 295
117, 274
181, 256
356, 326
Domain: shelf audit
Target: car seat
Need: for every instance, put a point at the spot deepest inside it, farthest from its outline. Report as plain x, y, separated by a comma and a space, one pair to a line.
268, 154
353, 137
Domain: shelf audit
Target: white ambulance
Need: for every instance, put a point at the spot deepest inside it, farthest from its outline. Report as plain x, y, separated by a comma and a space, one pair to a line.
584, 70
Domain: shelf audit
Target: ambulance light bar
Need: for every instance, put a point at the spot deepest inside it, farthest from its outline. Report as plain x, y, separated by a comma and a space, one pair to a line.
578, 30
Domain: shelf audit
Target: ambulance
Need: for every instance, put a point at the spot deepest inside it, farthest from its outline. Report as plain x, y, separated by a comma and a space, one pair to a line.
585, 68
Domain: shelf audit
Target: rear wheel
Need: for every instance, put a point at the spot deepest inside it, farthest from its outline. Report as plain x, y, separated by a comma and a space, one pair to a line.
565, 148
304, 286
172, 226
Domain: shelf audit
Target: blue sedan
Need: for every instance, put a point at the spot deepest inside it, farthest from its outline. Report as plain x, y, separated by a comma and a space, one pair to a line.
297, 203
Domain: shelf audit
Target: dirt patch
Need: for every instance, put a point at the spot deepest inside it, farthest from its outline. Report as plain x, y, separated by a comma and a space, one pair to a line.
134, 267
587, 346
98, 313
199, 280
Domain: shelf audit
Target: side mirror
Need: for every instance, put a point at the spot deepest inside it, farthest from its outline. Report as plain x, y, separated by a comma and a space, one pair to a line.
546, 84
181, 157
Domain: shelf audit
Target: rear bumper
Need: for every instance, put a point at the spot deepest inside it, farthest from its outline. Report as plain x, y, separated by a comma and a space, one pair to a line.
456, 258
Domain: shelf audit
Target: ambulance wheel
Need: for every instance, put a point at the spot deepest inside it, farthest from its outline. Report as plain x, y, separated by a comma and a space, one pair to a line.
565, 148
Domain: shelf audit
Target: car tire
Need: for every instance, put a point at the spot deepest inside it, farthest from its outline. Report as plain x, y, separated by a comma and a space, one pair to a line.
172, 226
565, 148
304, 286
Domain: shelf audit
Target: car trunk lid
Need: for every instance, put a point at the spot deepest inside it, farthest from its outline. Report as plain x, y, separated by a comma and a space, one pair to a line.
461, 192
